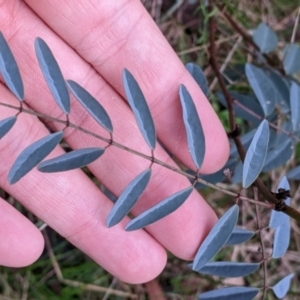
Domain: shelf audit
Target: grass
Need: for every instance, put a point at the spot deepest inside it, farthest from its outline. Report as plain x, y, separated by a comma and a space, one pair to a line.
64, 272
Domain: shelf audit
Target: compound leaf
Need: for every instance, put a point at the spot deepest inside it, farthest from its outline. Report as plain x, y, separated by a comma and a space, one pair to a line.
228, 269
9, 70
278, 218
140, 108
52, 75
256, 154
32, 155
265, 38
230, 293
217, 237
262, 87
128, 198
159, 210
281, 240
193, 127
93, 107
239, 235
291, 59
281, 288
71, 160
6, 125
198, 76
295, 105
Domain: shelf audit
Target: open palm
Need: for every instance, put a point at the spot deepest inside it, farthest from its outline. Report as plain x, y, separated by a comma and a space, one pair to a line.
93, 41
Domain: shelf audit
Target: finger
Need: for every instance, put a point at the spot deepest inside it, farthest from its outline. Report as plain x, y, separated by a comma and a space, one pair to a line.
74, 207
21, 243
176, 231
120, 34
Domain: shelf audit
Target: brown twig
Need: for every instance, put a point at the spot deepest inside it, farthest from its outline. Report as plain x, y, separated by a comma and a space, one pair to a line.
150, 158
247, 37
213, 61
154, 290
73, 283
259, 228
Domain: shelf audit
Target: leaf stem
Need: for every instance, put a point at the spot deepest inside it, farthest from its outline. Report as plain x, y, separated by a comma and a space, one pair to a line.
151, 158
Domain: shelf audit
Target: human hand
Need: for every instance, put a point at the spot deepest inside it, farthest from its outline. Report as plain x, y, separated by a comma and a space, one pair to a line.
93, 43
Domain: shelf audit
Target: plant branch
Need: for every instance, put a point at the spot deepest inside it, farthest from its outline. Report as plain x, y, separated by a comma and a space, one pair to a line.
247, 37
251, 112
76, 284
150, 158
264, 262
213, 61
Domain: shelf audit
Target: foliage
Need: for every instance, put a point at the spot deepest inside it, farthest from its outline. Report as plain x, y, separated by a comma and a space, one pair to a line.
266, 144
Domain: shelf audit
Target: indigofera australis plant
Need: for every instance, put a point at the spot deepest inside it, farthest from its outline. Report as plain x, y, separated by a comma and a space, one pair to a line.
263, 154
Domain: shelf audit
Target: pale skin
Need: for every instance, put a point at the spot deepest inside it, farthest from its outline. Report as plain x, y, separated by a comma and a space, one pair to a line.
93, 41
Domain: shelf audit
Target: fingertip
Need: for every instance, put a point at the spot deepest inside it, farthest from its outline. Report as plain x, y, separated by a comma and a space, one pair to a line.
145, 269
32, 245
218, 149
208, 220
21, 243
183, 231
